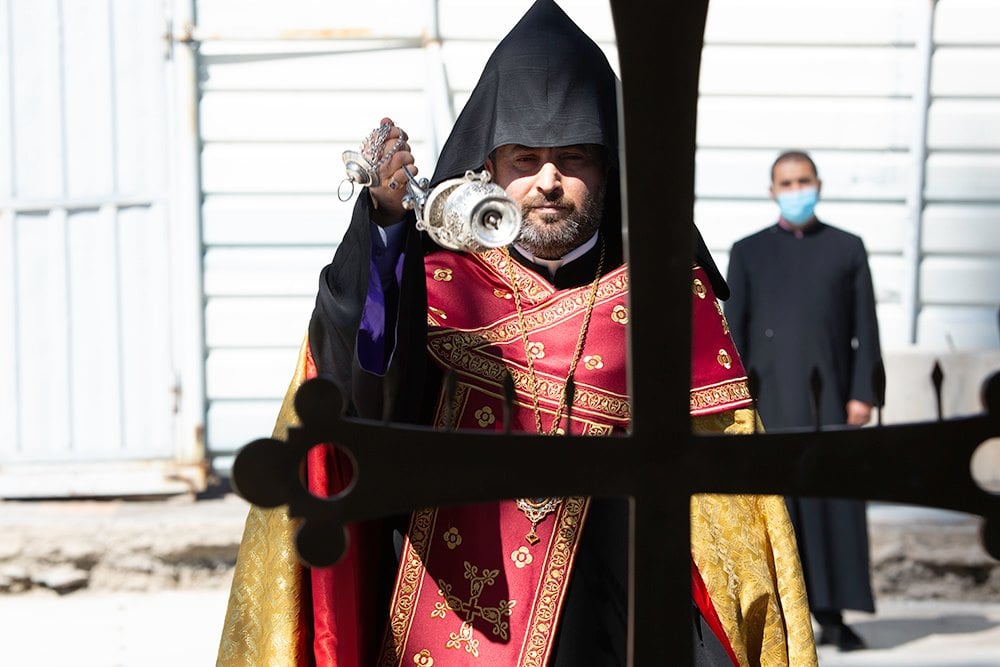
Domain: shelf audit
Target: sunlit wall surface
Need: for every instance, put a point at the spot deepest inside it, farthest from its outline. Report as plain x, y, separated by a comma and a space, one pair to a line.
134, 164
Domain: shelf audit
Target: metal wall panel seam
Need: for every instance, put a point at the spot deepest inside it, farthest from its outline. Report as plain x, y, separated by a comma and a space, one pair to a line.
186, 294
63, 139
113, 91
11, 135
79, 203
112, 210
918, 155
13, 282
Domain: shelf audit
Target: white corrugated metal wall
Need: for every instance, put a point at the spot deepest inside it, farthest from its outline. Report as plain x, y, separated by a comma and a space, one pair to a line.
910, 164
284, 88
960, 267
285, 91
281, 100
842, 79
88, 370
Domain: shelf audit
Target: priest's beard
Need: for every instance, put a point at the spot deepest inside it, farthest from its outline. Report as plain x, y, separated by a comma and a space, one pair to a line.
551, 236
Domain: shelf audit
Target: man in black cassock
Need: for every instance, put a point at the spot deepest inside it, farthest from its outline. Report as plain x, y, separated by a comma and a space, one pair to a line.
802, 298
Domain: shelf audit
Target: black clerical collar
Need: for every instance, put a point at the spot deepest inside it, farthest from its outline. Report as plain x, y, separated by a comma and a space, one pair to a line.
798, 231
574, 271
553, 265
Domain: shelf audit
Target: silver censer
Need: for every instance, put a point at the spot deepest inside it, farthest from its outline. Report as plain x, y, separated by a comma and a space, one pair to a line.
469, 214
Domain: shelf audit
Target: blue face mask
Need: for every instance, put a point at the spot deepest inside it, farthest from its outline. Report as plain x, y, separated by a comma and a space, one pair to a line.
797, 206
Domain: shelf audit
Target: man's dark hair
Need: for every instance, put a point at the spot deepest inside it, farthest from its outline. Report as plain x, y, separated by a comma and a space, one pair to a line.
789, 156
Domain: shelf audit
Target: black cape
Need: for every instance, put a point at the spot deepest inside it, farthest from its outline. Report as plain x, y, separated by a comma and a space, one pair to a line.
799, 302
546, 84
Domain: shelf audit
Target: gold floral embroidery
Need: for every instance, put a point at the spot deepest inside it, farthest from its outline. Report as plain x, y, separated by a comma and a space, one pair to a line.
473, 352
437, 311
455, 410
442, 275
591, 399
730, 394
464, 636
522, 557
501, 294
554, 576
535, 289
724, 359
415, 549
542, 611
698, 288
610, 405
469, 609
531, 287
452, 538
536, 350
485, 416
507, 329
593, 362
423, 659
725, 322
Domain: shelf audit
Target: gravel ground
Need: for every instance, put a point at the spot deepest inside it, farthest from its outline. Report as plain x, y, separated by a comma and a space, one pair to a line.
145, 583
119, 545
181, 543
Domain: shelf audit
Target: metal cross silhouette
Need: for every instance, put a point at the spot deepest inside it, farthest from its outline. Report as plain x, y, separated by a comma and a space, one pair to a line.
660, 464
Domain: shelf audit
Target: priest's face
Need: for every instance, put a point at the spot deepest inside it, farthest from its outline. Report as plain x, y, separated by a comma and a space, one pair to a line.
560, 191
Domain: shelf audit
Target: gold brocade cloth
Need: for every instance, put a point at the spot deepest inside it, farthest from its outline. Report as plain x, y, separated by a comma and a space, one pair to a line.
468, 593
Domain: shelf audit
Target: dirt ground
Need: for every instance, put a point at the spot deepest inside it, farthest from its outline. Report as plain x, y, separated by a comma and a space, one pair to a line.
119, 545
183, 543
122, 576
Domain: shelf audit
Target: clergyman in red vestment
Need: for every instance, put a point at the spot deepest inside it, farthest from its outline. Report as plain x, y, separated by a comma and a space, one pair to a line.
530, 581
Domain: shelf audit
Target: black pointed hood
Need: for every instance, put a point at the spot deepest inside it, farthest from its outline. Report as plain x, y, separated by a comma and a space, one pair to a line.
546, 84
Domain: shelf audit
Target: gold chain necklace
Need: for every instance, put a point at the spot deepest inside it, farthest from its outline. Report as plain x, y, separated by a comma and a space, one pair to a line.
536, 509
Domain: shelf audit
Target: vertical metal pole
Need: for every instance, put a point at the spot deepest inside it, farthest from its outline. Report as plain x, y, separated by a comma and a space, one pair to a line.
658, 118
915, 200
187, 293
659, 585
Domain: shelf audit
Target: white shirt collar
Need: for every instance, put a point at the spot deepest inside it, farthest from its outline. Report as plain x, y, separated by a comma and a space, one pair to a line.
553, 264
